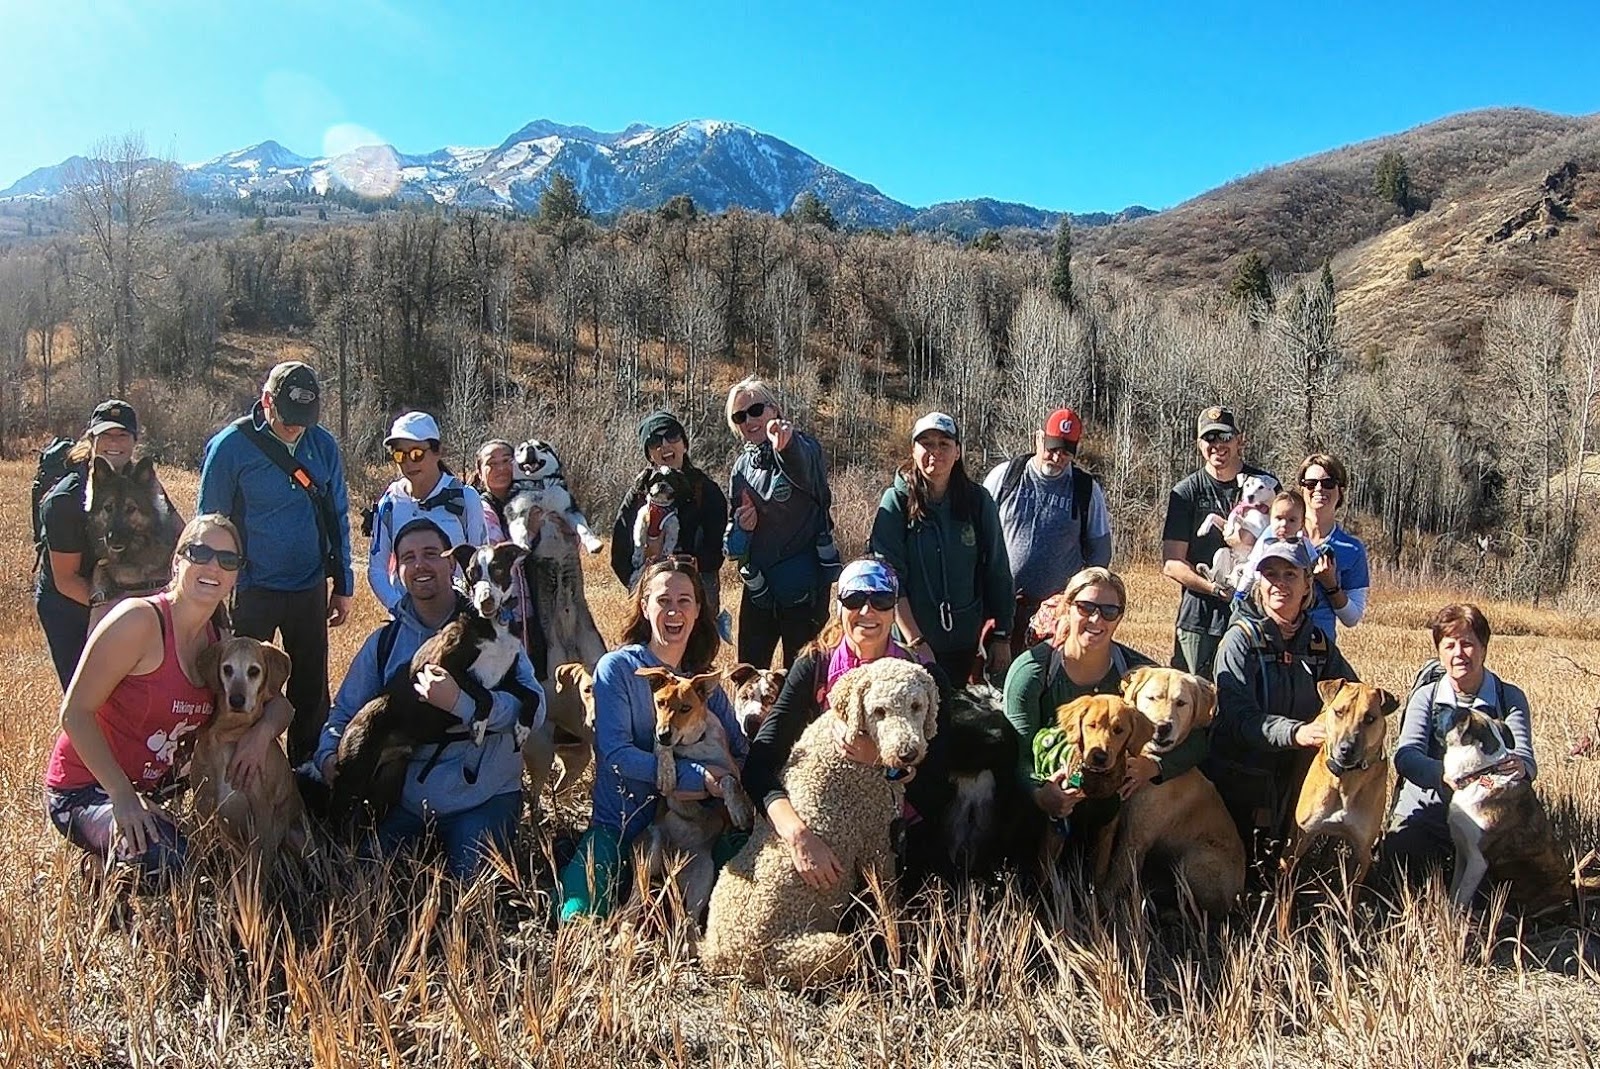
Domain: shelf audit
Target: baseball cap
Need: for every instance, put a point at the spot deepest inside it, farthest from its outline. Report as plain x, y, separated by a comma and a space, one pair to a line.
1063, 428
295, 393
113, 415
1297, 551
868, 576
414, 427
936, 421
1217, 418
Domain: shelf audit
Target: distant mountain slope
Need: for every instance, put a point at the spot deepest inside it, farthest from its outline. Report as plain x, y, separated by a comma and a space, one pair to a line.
719, 164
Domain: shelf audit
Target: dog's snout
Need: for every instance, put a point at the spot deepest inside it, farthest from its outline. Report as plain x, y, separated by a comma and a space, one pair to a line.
908, 754
236, 699
664, 738
1164, 731
1097, 757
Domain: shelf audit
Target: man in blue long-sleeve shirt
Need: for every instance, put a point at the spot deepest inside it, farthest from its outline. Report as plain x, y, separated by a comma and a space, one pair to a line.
284, 587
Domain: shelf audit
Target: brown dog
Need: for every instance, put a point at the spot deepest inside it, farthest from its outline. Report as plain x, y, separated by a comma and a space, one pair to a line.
1346, 790
1181, 818
1098, 734
267, 816
567, 732
755, 690
686, 727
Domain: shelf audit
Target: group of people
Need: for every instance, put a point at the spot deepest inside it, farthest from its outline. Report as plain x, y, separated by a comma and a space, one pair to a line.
1008, 577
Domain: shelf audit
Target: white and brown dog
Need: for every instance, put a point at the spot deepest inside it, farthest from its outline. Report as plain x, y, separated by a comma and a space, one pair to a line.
755, 691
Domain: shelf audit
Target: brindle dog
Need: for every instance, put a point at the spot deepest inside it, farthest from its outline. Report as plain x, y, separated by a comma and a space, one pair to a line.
133, 530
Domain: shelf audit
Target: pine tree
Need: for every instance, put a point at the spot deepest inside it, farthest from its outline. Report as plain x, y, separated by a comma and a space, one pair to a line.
1061, 266
988, 241
678, 207
1393, 181
1250, 282
561, 202
810, 208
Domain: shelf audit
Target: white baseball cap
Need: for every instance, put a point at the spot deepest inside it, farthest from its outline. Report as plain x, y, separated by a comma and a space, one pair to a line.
936, 421
414, 427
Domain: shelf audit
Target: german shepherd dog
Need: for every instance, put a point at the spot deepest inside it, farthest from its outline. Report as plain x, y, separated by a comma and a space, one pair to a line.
133, 530
477, 650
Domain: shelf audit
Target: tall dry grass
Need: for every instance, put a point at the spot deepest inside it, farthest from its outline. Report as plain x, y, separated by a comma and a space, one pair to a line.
393, 965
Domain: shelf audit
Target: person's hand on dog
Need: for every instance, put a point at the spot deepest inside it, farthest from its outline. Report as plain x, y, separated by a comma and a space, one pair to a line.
856, 746
1055, 797
330, 766
338, 609
779, 432
1310, 735
250, 755
438, 688
997, 652
814, 860
745, 514
1141, 770
137, 821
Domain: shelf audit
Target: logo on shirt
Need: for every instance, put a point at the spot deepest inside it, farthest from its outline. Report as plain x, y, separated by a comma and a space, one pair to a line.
969, 537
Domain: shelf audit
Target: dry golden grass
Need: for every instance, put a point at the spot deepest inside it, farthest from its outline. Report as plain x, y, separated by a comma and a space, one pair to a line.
393, 967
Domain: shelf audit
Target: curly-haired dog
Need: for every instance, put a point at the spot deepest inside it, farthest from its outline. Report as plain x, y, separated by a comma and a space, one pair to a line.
764, 920
1181, 819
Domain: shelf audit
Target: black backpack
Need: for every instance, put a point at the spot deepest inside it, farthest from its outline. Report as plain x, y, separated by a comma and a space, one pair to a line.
54, 465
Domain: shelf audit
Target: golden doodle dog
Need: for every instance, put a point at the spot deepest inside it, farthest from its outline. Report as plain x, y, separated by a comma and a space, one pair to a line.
1346, 790
686, 829
1181, 819
567, 733
267, 817
765, 923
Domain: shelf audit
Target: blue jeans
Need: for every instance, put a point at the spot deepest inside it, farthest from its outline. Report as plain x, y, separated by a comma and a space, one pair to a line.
83, 815
66, 630
466, 837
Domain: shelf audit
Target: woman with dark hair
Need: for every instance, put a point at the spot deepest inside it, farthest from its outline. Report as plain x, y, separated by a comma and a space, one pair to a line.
941, 533
425, 488
667, 627
133, 709
1419, 835
702, 514
1341, 575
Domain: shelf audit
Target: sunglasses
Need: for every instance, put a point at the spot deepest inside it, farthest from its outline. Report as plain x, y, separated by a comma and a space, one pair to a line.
1217, 437
414, 454
1090, 609
755, 411
665, 437
880, 600
1320, 484
200, 553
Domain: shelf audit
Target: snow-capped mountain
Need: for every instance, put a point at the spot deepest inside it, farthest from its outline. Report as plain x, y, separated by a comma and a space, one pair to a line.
719, 164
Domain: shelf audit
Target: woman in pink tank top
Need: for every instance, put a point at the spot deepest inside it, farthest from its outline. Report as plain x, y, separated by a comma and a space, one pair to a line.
134, 704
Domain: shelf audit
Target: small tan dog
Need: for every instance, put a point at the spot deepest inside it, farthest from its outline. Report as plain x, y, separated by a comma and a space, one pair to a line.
1346, 790
1182, 818
687, 728
267, 817
567, 732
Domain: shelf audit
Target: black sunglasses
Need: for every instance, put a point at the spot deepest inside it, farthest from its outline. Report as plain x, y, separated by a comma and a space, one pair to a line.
880, 600
414, 454
200, 553
1090, 609
755, 411
1320, 484
662, 438
1216, 437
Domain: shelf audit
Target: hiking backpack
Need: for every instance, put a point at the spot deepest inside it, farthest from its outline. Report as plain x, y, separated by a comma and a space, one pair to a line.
54, 465
1082, 490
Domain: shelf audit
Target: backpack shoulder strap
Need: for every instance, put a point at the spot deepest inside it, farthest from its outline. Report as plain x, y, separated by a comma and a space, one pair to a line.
1015, 467
387, 636
1082, 499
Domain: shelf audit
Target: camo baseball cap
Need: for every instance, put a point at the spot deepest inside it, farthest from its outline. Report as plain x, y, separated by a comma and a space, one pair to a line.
1217, 418
296, 394
113, 415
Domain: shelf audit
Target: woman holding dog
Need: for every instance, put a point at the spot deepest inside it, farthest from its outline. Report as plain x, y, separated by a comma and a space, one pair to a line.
941, 533
1342, 580
669, 627
1268, 666
425, 488
135, 705
1419, 835
1081, 656
702, 514
861, 633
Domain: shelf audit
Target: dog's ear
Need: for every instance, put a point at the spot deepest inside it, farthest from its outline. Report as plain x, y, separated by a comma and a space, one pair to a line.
1506, 736
508, 553
1134, 680
706, 684
277, 665
1069, 718
1205, 701
1140, 731
1387, 702
740, 673
208, 663
143, 471
1329, 689
656, 677
846, 701
930, 719
780, 676
462, 555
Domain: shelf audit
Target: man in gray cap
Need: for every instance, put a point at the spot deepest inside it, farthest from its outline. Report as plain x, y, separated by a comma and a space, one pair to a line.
278, 475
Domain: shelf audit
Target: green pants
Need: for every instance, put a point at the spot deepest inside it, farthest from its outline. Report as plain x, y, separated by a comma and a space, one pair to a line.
1196, 652
602, 863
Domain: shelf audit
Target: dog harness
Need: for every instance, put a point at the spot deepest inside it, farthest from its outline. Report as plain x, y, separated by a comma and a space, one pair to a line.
657, 518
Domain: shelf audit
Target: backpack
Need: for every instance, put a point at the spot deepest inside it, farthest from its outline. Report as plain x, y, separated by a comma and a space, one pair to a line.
1316, 655
1082, 490
54, 466
1430, 674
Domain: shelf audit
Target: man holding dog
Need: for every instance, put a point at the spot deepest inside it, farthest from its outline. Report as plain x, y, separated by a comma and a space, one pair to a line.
277, 474
1204, 607
471, 795
1054, 517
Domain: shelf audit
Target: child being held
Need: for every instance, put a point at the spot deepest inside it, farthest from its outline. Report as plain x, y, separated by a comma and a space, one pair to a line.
1286, 519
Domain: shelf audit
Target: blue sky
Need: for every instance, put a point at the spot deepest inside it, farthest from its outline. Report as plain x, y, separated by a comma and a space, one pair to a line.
1062, 105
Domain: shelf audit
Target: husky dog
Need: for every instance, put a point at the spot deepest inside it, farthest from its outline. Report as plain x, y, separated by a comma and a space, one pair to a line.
556, 572
538, 464
655, 525
133, 530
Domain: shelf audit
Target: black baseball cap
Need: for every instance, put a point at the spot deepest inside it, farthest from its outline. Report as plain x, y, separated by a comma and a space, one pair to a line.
113, 415
296, 395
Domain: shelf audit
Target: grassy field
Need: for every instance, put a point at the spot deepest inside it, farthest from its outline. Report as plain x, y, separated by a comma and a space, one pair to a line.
394, 967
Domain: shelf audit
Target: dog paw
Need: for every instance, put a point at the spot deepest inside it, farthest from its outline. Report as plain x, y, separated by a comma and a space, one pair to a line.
520, 733
666, 772
593, 544
480, 728
740, 811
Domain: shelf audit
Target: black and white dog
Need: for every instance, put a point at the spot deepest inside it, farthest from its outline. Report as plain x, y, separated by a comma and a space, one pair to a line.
479, 652
556, 572
655, 525
539, 466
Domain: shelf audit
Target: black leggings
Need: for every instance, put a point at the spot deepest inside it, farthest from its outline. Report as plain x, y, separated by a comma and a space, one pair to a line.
761, 629
301, 616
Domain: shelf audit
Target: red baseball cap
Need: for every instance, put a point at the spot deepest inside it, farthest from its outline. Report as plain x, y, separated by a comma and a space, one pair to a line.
1063, 428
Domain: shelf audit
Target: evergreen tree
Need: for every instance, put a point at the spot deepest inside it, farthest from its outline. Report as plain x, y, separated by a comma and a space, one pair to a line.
679, 207
1061, 264
1393, 181
1250, 281
810, 208
560, 202
988, 241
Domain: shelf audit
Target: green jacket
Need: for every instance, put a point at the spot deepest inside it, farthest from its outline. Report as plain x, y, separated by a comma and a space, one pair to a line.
953, 572
1037, 685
